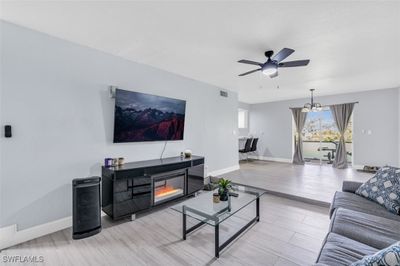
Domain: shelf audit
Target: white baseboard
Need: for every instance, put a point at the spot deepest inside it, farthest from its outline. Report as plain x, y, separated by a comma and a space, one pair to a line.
10, 236
285, 160
224, 171
7, 233
273, 159
357, 166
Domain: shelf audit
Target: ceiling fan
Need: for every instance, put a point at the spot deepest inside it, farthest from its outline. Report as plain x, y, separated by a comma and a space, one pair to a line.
270, 67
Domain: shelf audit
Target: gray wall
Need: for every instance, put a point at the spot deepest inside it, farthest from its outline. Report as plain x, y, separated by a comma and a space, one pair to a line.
55, 95
244, 131
377, 111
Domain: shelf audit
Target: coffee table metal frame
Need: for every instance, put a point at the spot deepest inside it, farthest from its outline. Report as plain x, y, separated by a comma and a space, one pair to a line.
218, 246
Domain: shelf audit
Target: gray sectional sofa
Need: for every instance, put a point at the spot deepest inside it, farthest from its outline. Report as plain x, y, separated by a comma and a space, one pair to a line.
358, 227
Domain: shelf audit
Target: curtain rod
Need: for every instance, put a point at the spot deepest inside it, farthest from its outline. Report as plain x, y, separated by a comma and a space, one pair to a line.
323, 105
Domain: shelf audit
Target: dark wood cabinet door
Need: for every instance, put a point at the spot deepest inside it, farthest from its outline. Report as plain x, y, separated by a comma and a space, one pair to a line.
195, 181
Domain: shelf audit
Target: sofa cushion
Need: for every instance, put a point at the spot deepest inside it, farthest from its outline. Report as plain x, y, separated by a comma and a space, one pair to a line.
386, 257
354, 202
374, 231
339, 250
383, 188
350, 186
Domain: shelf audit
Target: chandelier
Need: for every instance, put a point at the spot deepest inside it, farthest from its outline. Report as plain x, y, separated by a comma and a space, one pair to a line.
312, 106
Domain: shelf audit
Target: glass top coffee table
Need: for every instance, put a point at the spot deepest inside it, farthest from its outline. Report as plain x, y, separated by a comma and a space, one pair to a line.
203, 209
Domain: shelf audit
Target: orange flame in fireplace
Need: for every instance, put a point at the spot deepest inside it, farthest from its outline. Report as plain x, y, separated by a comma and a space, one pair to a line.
165, 191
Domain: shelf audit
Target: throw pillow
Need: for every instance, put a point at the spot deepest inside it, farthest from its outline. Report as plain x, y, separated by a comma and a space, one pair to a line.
389, 256
383, 188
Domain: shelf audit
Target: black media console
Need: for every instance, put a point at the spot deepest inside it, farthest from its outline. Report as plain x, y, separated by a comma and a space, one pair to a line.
138, 186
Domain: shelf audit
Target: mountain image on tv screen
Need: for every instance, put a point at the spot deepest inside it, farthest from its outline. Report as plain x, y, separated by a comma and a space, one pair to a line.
145, 117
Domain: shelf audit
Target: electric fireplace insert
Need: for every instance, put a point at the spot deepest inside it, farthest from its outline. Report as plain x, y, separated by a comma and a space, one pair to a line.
167, 186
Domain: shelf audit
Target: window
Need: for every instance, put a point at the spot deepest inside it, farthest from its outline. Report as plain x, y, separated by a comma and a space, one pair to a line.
243, 118
321, 136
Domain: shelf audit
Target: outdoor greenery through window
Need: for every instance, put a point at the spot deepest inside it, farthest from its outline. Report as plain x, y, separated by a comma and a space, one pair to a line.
320, 137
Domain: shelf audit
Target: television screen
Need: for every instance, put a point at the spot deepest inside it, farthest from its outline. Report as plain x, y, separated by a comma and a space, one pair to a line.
145, 117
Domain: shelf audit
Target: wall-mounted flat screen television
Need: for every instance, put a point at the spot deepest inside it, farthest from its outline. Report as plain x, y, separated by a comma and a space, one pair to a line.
144, 117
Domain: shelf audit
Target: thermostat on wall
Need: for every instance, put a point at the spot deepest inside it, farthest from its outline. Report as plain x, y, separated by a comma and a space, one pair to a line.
7, 131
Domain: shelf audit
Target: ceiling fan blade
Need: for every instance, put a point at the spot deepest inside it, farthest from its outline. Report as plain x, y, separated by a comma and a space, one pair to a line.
274, 75
285, 52
294, 63
244, 61
249, 72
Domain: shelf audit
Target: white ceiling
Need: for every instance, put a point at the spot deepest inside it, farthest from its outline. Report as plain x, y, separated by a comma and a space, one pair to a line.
353, 46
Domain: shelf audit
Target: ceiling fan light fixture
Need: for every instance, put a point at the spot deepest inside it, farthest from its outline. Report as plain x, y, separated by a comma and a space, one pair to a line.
269, 69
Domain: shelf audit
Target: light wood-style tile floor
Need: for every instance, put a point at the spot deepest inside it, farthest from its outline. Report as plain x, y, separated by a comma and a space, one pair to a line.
289, 233
311, 182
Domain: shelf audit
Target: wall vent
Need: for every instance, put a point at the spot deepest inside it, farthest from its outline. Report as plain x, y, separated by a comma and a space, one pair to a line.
223, 93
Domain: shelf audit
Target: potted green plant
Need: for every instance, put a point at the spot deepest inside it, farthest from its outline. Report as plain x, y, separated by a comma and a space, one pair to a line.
223, 188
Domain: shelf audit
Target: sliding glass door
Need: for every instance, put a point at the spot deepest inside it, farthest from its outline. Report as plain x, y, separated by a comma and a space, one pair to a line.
321, 136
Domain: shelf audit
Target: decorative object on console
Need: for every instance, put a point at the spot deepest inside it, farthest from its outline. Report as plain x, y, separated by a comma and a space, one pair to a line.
108, 162
114, 162
223, 189
383, 188
188, 153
